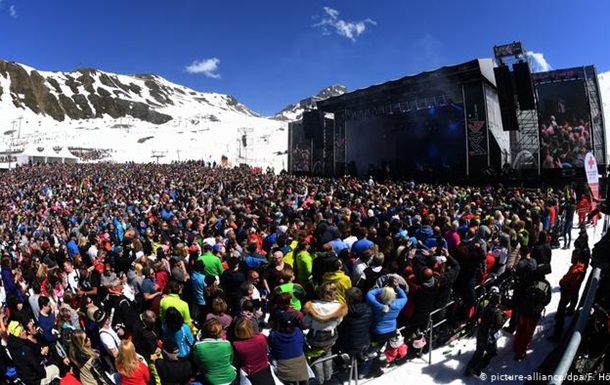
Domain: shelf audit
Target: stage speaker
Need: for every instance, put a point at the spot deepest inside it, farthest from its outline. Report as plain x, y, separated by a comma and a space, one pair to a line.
244, 141
524, 86
312, 124
506, 98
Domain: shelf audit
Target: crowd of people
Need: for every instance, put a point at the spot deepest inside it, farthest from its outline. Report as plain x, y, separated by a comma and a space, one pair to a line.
170, 274
564, 145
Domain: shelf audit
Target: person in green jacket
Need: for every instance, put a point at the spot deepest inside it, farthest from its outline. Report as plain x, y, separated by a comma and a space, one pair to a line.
214, 356
212, 263
296, 291
303, 263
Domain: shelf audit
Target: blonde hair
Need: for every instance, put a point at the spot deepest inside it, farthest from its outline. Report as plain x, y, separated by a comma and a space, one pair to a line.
43, 271
127, 360
78, 344
387, 296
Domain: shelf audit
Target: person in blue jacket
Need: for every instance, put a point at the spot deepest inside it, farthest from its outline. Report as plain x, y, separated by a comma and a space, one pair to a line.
387, 302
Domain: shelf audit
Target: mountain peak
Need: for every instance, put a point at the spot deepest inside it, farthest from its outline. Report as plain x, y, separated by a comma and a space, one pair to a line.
294, 112
330, 91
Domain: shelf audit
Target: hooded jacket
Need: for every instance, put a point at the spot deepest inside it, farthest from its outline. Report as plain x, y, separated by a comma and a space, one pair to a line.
323, 315
341, 280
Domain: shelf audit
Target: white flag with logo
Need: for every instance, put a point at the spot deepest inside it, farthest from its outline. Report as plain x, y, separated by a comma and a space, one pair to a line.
592, 180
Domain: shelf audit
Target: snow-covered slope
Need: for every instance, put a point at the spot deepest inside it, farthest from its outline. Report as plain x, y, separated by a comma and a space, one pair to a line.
137, 117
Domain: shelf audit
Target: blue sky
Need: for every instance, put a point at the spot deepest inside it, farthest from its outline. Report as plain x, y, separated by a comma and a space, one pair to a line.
272, 53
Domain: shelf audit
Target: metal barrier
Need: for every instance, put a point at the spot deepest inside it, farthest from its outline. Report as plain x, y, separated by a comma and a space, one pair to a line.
353, 366
432, 325
572, 348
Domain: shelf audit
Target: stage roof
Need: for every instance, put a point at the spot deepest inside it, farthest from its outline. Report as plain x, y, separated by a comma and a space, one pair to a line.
478, 69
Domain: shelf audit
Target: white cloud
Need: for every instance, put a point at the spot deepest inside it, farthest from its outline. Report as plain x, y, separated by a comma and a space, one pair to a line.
12, 11
330, 23
208, 67
539, 63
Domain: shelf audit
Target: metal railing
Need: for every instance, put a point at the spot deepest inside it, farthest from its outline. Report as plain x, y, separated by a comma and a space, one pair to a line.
429, 331
431, 325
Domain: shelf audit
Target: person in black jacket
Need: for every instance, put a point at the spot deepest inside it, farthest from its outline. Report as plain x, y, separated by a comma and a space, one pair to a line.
29, 368
449, 269
354, 330
492, 319
125, 316
145, 334
423, 297
231, 281
171, 369
542, 253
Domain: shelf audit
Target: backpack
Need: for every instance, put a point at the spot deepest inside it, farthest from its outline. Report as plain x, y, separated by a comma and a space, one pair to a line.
370, 279
489, 321
535, 297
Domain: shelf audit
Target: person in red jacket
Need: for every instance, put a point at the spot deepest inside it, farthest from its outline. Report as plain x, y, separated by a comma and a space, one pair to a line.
569, 286
582, 208
130, 367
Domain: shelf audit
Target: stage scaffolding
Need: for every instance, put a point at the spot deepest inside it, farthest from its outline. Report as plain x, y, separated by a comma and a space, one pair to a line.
524, 142
597, 116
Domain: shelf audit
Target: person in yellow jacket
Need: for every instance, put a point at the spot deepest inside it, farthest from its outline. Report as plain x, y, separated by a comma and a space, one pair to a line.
341, 280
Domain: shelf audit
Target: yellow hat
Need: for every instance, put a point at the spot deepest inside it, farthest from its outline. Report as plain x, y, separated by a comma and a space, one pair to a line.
15, 328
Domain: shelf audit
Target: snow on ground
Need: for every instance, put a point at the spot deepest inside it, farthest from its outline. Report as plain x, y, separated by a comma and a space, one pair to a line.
205, 126
130, 139
448, 363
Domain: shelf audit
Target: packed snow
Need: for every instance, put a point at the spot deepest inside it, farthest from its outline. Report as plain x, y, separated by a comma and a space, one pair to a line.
448, 363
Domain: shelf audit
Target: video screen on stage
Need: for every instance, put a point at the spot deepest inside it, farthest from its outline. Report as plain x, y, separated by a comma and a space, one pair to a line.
424, 142
565, 126
300, 149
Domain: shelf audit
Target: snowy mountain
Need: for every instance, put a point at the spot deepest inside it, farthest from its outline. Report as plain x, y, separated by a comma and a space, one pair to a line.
137, 118
145, 117
89, 94
295, 111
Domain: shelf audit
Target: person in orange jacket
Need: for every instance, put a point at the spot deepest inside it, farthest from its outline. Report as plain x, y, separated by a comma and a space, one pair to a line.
582, 208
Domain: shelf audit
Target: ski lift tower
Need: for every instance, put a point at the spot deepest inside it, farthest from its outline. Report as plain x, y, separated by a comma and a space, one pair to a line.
242, 143
157, 155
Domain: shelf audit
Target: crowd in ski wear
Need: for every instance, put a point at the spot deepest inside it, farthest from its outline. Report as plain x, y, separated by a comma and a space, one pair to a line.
183, 272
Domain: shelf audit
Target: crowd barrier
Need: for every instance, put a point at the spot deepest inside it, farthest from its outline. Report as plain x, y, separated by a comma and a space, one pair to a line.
352, 361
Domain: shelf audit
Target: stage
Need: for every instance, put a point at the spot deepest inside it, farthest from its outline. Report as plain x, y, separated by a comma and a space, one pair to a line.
450, 124
442, 122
